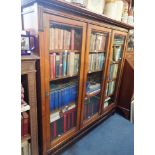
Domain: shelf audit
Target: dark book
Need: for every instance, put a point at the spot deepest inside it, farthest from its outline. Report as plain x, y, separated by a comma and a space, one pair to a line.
22, 132
64, 63
25, 123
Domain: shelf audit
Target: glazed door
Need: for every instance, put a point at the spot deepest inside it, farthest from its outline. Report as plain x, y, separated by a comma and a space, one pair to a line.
98, 39
64, 61
114, 70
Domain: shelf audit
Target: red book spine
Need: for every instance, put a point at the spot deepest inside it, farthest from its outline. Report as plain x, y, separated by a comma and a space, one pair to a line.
69, 120
93, 108
72, 39
25, 123
73, 117
55, 132
22, 126
65, 123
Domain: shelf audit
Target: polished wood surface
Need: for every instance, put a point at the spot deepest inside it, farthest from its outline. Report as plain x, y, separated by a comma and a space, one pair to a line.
28, 68
127, 85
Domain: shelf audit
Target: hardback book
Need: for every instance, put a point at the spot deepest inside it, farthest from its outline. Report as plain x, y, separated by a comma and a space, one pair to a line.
60, 65
25, 148
52, 65
76, 63
64, 63
56, 38
70, 66
52, 38
77, 40
72, 38
22, 133
57, 65
25, 123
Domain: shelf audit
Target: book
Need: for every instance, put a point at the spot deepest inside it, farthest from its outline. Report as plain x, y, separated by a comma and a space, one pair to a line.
52, 39
25, 123
22, 132
25, 148
57, 62
70, 65
72, 38
56, 38
64, 63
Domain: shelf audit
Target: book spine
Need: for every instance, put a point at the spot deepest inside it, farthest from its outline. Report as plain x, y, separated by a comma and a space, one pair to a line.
60, 65
64, 62
57, 65
56, 38
72, 39
25, 123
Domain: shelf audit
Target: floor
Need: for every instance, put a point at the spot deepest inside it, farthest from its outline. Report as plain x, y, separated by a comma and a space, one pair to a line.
115, 136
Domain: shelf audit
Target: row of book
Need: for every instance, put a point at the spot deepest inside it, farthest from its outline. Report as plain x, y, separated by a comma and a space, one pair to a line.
63, 95
62, 37
63, 64
97, 42
110, 88
26, 148
91, 106
24, 124
96, 61
61, 123
92, 87
113, 71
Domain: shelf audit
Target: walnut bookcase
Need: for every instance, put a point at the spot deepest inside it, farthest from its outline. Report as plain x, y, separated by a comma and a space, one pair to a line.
96, 86
28, 69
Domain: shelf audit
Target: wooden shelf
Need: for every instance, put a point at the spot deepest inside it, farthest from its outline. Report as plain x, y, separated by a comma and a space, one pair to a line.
25, 138
62, 50
30, 57
65, 77
97, 52
93, 94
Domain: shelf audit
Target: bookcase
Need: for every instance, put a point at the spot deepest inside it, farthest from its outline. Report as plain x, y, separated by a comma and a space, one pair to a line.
81, 62
29, 125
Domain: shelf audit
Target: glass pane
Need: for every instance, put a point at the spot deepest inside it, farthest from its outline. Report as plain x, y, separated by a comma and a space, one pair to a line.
64, 61
97, 56
116, 57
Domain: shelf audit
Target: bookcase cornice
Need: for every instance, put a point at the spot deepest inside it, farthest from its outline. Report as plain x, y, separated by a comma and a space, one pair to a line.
73, 9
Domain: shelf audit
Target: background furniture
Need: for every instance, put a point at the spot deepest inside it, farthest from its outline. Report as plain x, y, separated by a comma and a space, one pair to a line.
28, 77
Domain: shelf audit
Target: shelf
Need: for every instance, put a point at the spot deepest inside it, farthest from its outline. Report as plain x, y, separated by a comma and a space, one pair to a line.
97, 51
63, 50
25, 138
65, 77
30, 57
94, 93
94, 71
56, 113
